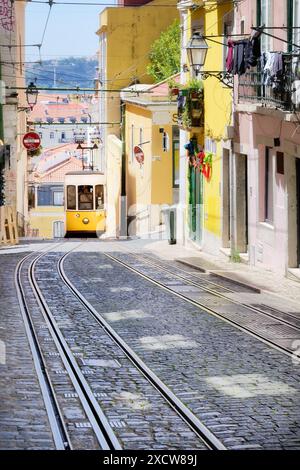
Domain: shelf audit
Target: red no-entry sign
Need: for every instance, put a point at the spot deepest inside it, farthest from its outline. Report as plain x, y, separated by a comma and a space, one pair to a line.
31, 141
139, 154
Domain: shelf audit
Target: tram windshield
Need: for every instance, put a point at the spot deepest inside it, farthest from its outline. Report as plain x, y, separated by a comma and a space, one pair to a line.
99, 197
71, 197
85, 198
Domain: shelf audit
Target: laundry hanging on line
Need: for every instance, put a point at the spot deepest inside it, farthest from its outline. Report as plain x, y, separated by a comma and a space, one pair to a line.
242, 55
272, 67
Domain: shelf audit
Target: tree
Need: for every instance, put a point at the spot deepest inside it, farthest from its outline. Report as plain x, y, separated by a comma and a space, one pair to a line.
165, 54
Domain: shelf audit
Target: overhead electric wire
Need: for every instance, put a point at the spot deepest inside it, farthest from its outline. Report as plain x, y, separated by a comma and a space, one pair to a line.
44, 2
19, 45
275, 37
47, 21
77, 89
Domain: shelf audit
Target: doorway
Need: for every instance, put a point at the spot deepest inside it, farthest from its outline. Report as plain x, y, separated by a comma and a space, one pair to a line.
58, 229
242, 234
226, 200
195, 205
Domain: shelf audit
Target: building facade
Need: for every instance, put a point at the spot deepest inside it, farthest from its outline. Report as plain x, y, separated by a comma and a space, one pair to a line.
125, 39
152, 158
46, 191
202, 218
12, 115
249, 206
266, 151
68, 119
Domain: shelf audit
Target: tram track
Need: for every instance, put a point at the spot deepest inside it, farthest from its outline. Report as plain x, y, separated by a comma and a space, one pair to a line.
246, 327
59, 432
103, 432
100, 424
195, 424
202, 284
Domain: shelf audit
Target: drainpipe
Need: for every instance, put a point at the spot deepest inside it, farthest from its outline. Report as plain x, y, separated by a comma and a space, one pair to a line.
123, 201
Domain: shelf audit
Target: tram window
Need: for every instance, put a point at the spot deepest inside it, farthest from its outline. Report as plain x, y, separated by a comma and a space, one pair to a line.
99, 196
85, 198
71, 197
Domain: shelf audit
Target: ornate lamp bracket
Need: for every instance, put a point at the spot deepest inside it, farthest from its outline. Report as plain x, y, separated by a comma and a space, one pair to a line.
225, 77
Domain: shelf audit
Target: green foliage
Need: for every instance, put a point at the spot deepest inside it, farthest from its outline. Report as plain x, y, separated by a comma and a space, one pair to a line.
165, 54
194, 84
35, 153
235, 257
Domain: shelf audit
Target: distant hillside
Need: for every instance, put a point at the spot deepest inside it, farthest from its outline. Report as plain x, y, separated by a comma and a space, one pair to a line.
70, 71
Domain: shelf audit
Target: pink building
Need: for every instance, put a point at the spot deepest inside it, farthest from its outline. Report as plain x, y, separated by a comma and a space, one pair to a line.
264, 166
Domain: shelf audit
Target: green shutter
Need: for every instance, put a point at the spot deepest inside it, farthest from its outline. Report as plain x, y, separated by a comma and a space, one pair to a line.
258, 12
290, 21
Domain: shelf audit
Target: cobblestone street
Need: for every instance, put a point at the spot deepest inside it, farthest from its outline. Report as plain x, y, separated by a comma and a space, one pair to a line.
105, 347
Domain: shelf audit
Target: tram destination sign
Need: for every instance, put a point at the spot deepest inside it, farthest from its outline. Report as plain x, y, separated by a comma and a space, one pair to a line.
31, 141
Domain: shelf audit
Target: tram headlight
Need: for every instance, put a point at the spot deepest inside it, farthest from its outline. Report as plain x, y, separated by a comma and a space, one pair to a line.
85, 221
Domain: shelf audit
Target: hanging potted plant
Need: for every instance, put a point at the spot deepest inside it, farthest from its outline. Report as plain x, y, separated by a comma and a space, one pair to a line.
186, 118
195, 87
174, 87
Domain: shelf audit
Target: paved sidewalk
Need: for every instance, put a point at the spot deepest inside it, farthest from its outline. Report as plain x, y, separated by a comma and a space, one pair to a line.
266, 281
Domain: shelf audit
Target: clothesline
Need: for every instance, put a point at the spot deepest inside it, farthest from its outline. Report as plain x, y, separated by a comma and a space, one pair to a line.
254, 28
261, 30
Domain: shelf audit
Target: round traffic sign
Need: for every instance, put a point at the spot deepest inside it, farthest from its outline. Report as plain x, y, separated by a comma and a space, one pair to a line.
31, 141
139, 154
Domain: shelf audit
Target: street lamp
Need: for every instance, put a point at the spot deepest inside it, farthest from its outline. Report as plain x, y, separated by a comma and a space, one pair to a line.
32, 95
197, 50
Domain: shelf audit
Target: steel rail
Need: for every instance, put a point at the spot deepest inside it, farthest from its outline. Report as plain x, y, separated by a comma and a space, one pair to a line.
217, 294
56, 421
101, 427
203, 307
209, 439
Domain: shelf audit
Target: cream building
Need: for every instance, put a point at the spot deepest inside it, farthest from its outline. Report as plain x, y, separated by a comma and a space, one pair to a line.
13, 117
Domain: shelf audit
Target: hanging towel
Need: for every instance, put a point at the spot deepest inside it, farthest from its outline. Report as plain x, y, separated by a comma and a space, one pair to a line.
239, 66
252, 52
273, 69
230, 57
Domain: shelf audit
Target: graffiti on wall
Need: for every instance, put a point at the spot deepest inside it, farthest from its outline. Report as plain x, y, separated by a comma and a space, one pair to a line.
7, 15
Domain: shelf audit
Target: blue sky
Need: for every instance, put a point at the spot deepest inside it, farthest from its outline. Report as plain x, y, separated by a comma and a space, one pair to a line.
70, 31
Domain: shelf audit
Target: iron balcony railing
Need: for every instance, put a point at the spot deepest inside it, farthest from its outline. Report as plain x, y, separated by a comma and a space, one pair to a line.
281, 93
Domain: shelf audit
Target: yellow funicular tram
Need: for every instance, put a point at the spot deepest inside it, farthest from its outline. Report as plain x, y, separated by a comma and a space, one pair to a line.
84, 202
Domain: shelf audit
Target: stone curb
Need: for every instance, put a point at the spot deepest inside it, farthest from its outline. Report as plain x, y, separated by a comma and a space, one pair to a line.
221, 276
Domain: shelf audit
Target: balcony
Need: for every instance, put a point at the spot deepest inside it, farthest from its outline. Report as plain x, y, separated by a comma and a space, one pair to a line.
283, 95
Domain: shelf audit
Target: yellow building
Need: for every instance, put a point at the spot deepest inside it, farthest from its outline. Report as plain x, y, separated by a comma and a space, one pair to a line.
126, 35
152, 158
207, 220
46, 191
12, 112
